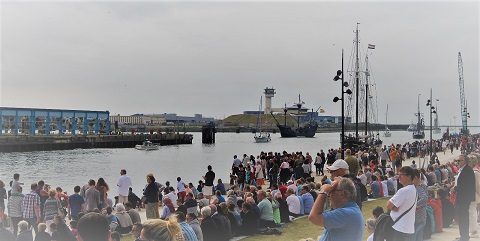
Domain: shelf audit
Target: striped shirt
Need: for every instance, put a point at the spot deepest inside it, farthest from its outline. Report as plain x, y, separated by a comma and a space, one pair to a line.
188, 232
28, 204
15, 206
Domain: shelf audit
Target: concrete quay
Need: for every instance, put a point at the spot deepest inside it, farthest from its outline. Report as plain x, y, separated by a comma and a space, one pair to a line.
69, 142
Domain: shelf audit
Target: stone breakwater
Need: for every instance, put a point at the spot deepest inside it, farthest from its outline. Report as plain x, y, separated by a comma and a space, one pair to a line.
70, 142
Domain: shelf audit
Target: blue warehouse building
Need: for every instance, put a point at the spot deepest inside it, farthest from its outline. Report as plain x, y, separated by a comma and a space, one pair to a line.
33, 121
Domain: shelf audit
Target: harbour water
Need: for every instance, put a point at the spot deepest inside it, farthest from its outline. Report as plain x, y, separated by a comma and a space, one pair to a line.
69, 168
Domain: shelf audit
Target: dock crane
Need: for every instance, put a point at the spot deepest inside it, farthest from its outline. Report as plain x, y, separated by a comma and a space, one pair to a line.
463, 103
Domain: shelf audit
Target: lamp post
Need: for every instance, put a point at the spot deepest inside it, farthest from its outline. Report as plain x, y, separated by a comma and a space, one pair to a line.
432, 111
337, 77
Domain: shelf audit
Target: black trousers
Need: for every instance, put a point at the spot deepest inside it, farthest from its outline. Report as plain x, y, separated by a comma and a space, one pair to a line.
463, 223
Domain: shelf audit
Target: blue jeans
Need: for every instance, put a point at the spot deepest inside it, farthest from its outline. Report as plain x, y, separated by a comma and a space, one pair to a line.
419, 230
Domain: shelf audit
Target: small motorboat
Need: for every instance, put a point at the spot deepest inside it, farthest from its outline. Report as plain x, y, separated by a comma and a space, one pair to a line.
262, 138
147, 146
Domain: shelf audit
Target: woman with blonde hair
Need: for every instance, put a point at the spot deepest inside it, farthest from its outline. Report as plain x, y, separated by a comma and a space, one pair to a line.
160, 230
51, 209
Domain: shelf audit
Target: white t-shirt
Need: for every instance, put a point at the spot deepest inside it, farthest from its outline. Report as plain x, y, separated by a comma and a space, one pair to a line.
172, 197
405, 198
123, 184
293, 204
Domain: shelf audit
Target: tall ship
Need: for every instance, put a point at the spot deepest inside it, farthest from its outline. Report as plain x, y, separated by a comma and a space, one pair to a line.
419, 132
362, 103
308, 129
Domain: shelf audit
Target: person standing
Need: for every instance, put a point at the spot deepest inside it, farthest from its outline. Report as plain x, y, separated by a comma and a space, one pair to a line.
209, 178
345, 220
31, 207
16, 185
352, 162
473, 206
236, 164
181, 188
318, 161
465, 189
92, 196
123, 184
151, 195
15, 210
403, 202
76, 204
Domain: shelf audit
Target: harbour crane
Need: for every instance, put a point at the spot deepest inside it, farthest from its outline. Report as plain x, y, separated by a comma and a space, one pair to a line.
463, 103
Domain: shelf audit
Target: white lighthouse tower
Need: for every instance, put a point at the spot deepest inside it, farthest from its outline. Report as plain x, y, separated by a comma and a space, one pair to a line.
269, 93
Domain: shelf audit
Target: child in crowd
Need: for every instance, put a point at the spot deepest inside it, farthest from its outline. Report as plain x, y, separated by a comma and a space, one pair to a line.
370, 228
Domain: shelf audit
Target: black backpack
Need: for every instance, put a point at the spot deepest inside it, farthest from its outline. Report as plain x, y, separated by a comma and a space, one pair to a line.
383, 228
384, 225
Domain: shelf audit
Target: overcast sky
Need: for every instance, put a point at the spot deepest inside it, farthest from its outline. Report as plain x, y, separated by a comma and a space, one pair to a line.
215, 58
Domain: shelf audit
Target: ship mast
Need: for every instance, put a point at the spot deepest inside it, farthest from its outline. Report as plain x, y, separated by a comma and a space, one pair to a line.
367, 74
357, 80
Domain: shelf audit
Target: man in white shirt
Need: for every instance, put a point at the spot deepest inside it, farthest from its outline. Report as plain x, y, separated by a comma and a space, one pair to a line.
402, 202
293, 203
123, 184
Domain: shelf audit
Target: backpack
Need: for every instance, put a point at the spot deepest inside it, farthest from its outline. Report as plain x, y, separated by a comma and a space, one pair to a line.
384, 225
383, 228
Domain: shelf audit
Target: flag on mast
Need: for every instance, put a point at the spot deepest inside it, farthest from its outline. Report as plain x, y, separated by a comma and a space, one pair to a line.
371, 46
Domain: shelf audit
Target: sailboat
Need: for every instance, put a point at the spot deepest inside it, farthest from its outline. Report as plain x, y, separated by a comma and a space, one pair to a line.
436, 128
307, 130
419, 132
362, 103
387, 131
262, 137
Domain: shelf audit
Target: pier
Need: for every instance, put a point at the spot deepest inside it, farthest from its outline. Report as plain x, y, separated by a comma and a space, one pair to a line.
69, 142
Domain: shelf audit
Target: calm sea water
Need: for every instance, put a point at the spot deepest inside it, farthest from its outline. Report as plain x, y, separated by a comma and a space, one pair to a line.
75, 167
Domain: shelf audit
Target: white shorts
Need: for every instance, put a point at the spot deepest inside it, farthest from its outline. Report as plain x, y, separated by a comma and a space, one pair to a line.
208, 190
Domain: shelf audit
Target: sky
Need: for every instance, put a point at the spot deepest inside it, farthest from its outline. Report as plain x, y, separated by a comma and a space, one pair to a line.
216, 57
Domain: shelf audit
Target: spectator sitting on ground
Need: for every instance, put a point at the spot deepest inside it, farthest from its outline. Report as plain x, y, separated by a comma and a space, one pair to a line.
93, 227
136, 230
208, 226
202, 201
134, 215
168, 209
194, 224
377, 211
218, 198
249, 220
293, 203
188, 233
124, 221
134, 199
181, 207
370, 228
159, 230
115, 236
220, 187
41, 235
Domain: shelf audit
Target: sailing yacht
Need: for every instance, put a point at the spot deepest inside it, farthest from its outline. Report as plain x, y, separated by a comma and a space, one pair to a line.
361, 105
387, 131
262, 137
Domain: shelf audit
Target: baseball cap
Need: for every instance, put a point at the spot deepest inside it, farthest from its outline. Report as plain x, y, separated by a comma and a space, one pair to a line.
289, 181
337, 165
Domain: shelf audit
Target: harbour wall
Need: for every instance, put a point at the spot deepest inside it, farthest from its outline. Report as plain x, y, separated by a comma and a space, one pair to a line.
69, 142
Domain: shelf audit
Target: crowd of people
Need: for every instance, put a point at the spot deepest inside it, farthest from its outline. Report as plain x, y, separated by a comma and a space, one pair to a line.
265, 192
